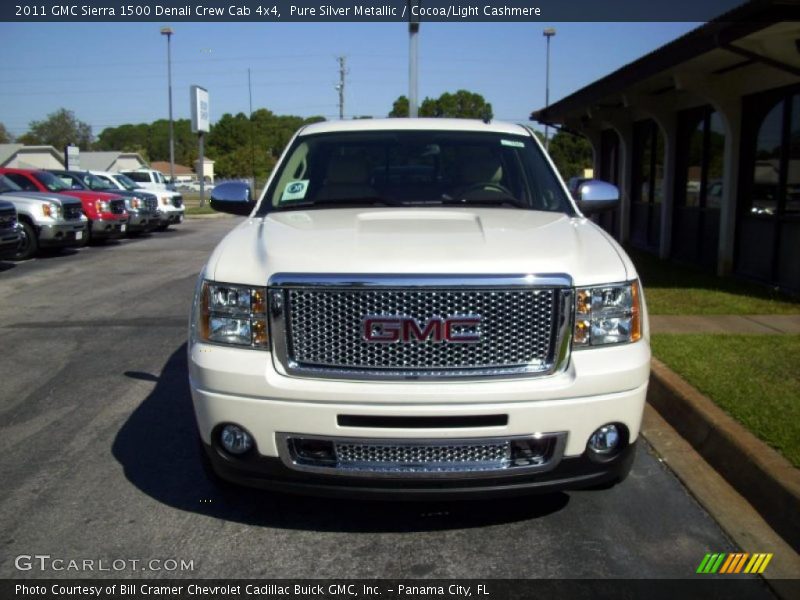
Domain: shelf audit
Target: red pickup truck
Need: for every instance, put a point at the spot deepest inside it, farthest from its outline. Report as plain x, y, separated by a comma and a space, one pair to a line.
106, 212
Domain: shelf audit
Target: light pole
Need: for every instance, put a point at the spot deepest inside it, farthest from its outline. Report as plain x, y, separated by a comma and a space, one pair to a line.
413, 32
548, 33
167, 31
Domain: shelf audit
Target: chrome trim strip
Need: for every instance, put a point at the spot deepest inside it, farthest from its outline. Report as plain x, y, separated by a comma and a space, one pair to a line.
556, 363
548, 280
559, 443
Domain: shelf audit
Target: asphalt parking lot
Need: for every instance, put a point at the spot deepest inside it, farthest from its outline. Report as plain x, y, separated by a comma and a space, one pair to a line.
98, 457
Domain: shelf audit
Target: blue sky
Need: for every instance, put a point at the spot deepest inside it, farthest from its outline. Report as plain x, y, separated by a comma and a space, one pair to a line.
115, 73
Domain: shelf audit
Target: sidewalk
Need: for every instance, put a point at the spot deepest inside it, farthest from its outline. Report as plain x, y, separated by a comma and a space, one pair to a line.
732, 324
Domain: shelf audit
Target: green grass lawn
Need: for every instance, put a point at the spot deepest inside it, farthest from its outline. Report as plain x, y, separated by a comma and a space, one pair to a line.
191, 200
755, 378
673, 289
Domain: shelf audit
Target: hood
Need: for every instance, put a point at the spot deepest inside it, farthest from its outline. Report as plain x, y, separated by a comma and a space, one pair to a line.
418, 241
62, 199
91, 196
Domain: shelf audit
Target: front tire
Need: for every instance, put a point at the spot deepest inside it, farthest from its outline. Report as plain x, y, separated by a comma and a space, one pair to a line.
29, 244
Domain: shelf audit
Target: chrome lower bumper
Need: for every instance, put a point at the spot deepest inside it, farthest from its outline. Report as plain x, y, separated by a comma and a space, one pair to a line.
404, 457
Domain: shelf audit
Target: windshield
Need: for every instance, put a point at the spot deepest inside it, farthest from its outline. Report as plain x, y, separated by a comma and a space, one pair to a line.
126, 182
93, 182
6, 185
415, 168
51, 182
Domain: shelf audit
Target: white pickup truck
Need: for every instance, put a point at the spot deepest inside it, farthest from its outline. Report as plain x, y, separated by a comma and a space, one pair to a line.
418, 307
170, 202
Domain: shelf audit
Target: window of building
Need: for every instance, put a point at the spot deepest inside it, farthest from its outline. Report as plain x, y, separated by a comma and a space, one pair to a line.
701, 152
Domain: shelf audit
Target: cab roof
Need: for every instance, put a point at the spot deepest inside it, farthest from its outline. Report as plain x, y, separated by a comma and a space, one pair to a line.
404, 124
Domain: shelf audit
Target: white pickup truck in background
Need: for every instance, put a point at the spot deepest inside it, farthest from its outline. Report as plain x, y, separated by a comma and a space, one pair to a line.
418, 307
170, 202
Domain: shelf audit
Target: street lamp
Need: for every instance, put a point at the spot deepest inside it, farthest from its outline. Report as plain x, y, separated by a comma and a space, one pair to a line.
167, 31
548, 33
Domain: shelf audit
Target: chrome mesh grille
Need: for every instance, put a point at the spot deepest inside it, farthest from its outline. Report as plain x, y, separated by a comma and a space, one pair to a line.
151, 204
324, 328
117, 206
396, 455
8, 219
72, 211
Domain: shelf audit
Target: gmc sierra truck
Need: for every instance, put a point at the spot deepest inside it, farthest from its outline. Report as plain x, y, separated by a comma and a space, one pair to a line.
418, 307
9, 231
46, 220
170, 201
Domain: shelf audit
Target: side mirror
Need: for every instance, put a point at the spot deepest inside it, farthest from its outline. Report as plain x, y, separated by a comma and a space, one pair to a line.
232, 197
595, 196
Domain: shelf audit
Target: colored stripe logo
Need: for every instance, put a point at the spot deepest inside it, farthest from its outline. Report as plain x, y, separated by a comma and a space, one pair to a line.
736, 562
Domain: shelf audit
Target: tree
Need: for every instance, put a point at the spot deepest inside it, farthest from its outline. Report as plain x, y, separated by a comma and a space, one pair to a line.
400, 107
461, 105
58, 130
571, 154
5, 135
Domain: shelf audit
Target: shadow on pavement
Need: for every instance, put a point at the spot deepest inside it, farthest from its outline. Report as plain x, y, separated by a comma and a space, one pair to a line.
158, 449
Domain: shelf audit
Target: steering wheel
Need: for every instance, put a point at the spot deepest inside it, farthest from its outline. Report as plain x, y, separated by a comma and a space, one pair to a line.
485, 186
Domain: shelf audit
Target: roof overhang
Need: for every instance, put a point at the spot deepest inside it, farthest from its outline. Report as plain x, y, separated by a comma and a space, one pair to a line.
758, 32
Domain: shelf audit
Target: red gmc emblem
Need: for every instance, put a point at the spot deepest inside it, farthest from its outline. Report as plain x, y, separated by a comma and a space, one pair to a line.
459, 329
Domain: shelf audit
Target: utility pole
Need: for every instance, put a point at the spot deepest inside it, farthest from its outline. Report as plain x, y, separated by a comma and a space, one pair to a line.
413, 31
548, 33
167, 31
252, 139
340, 85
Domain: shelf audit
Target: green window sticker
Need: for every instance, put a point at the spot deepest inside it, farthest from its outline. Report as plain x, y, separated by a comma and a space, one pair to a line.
512, 143
295, 190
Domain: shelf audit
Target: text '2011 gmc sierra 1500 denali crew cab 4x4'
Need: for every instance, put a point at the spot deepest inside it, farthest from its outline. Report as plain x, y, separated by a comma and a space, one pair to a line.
418, 307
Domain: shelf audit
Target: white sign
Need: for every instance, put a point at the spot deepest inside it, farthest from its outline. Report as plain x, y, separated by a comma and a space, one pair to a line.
72, 158
201, 117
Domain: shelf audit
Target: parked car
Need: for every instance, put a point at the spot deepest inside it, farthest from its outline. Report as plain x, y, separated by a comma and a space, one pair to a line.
107, 216
46, 219
142, 207
10, 235
419, 307
119, 181
171, 201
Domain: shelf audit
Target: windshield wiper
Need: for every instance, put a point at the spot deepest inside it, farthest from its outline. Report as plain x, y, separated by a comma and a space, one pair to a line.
494, 200
375, 200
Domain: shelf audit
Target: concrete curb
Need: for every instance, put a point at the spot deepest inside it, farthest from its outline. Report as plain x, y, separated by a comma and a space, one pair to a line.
209, 216
764, 477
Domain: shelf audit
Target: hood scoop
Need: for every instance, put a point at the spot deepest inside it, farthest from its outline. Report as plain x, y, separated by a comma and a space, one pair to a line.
436, 225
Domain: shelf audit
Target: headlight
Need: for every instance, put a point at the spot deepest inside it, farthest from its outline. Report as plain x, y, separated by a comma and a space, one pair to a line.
607, 314
101, 206
165, 201
133, 202
232, 314
52, 210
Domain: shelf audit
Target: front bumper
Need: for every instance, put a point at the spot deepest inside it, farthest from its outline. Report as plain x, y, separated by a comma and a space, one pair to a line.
9, 242
63, 235
109, 229
142, 221
171, 215
237, 386
269, 473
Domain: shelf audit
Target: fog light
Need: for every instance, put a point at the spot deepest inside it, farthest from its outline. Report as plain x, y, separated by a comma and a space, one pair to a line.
605, 440
235, 439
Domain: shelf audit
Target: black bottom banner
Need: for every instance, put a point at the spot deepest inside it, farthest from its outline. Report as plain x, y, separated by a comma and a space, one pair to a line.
391, 589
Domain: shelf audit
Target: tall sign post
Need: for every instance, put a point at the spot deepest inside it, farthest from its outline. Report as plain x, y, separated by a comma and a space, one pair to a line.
200, 126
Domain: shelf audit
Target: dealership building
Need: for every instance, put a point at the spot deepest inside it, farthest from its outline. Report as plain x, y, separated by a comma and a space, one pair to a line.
702, 136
